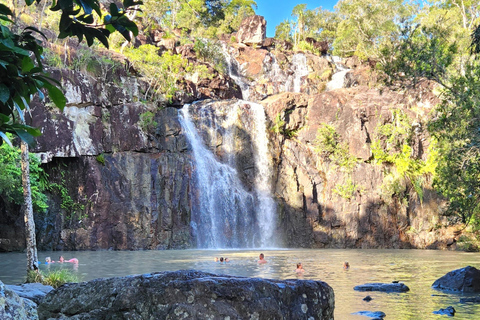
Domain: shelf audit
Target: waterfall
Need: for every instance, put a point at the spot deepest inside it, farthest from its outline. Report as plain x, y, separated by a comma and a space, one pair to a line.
234, 71
225, 214
338, 78
300, 70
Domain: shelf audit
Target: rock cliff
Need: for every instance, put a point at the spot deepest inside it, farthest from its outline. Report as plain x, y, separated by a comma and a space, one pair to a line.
118, 181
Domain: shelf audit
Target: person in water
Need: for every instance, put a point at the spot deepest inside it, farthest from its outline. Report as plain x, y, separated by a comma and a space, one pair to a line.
221, 259
73, 260
300, 269
346, 265
48, 260
262, 258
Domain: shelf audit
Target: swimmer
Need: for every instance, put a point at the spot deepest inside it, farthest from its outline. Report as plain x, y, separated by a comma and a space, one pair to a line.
221, 259
346, 265
48, 260
216, 259
262, 258
73, 260
300, 269
227, 260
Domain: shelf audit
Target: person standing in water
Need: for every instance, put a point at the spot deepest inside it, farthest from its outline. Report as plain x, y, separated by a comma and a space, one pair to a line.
300, 269
262, 258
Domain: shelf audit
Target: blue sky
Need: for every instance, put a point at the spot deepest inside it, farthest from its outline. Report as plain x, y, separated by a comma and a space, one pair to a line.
275, 11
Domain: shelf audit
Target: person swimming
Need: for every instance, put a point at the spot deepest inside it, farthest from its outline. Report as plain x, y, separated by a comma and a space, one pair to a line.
300, 269
346, 265
73, 260
48, 260
262, 258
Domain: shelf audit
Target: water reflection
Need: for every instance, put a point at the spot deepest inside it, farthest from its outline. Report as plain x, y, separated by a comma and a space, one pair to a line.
418, 269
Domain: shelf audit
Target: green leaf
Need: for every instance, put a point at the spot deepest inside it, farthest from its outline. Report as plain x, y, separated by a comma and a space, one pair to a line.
4, 10
5, 138
27, 64
24, 135
56, 95
4, 93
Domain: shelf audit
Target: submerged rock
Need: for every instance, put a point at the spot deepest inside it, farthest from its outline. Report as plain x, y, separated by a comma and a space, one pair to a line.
462, 280
371, 314
367, 298
189, 294
474, 300
13, 307
448, 311
384, 287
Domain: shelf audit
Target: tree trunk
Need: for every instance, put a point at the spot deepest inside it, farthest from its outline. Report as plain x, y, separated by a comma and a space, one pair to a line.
32, 258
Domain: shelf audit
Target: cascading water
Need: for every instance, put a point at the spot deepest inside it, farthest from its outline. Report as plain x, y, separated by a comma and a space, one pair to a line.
224, 213
234, 72
300, 70
338, 78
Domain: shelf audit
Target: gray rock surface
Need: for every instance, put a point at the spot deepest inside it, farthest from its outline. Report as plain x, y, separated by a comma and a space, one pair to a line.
32, 291
462, 280
13, 307
189, 294
383, 287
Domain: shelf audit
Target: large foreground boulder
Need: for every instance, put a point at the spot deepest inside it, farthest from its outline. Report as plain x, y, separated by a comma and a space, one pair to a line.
13, 307
462, 280
252, 30
189, 295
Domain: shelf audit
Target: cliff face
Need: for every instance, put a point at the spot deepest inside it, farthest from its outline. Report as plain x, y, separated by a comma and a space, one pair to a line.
130, 181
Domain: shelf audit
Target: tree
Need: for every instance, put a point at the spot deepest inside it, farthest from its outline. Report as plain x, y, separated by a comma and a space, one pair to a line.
366, 26
23, 75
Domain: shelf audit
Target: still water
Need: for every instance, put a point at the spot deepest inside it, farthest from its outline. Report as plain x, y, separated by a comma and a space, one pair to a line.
418, 269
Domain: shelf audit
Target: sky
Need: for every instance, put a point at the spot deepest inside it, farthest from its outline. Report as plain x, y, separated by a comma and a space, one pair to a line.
275, 11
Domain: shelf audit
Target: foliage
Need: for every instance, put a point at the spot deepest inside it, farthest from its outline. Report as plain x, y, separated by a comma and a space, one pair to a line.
211, 51
392, 145
11, 189
280, 127
366, 26
161, 72
100, 159
147, 121
327, 143
346, 190
54, 278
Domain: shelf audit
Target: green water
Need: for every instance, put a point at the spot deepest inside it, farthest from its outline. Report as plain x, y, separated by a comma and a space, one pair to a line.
418, 269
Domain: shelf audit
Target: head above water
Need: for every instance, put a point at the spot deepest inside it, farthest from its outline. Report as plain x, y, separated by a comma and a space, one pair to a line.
299, 265
262, 256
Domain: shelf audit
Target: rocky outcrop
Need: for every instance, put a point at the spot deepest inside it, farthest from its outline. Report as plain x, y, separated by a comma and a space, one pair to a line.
448, 311
465, 280
32, 291
315, 207
12, 307
190, 294
252, 30
382, 287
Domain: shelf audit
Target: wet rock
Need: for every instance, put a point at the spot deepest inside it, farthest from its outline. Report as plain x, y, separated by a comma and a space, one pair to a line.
383, 287
13, 307
32, 291
375, 315
189, 294
448, 311
367, 298
466, 280
473, 300
252, 30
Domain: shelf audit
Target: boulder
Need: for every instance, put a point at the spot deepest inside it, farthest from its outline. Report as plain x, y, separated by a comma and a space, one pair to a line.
252, 30
448, 311
189, 294
32, 291
371, 314
13, 307
383, 287
466, 280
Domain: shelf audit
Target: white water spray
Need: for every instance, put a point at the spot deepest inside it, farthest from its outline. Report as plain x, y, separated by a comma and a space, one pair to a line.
224, 213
